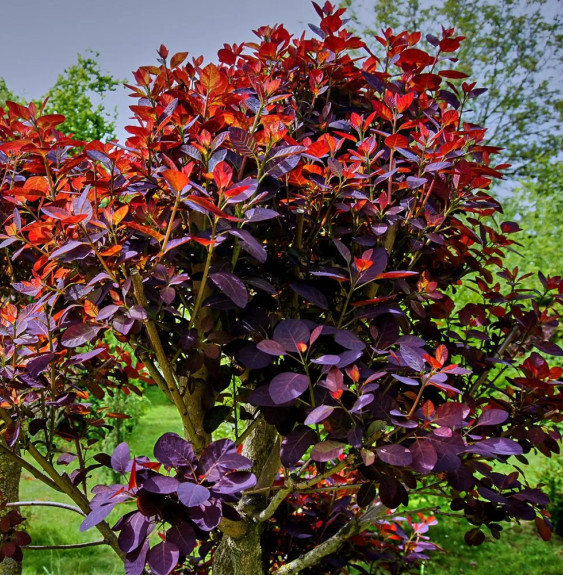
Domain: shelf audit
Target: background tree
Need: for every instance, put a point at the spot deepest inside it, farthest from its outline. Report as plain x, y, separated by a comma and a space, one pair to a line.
276, 241
514, 49
536, 204
79, 94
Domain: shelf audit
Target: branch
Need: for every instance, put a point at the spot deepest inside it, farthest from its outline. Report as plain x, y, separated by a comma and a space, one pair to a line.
275, 502
509, 338
63, 547
28, 467
167, 372
64, 484
284, 490
46, 504
333, 544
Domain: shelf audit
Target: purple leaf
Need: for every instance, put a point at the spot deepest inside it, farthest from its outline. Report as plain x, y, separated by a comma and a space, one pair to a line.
232, 286
107, 312
343, 250
167, 294
235, 482
79, 334
327, 450
279, 166
208, 515
69, 246
120, 458
192, 494
219, 457
492, 417
392, 492
348, 340
86, 356
251, 245
362, 402
496, 446
327, 360
183, 536
39, 364
295, 444
311, 294
136, 560
161, 484
394, 455
175, 243
173, 451
243, 141
134, 530
412, 357
349, 357
287, 386
253, 358
319, 414
450, 414
271, 347
405, 380
291, 332
261, 397
379, 259
163, 558
97, 515
260, 215
138, 313
549, 347
424, 456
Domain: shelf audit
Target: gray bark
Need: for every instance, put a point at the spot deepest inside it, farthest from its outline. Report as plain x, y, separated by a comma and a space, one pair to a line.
10, 474
243, 555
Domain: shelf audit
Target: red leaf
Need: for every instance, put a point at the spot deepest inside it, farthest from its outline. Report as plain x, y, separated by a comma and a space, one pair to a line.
176, 180
222, 174
396, 141
145, 230
404, 102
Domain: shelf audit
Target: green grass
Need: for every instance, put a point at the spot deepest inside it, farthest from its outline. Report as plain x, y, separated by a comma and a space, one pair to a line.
51, 526
519, 551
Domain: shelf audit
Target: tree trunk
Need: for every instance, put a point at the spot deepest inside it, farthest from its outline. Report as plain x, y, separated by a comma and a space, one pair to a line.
10, 474
243, 555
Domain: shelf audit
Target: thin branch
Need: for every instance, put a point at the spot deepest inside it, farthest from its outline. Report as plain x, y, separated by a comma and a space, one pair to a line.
164, 364
332, 544
275, 502
46, 504
509, 338
284, 490
28, 467
63, 547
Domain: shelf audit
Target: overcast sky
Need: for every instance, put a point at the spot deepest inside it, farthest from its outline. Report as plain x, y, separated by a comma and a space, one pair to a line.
40, 38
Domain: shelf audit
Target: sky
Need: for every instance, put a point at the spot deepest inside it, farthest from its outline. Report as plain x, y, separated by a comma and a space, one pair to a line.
40, 38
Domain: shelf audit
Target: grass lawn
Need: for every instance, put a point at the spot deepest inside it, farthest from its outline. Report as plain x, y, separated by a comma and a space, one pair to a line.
519, 552
48, 526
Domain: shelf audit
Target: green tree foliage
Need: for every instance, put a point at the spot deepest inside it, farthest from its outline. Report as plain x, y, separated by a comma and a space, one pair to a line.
537, 205
79, 94
514, 49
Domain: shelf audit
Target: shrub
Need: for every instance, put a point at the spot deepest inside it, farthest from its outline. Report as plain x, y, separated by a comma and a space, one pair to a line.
275, 241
